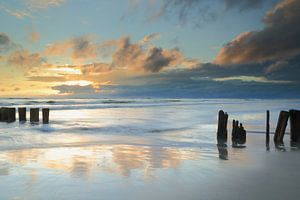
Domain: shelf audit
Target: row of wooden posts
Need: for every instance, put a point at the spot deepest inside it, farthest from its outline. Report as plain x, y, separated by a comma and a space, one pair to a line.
8, 114
239, 133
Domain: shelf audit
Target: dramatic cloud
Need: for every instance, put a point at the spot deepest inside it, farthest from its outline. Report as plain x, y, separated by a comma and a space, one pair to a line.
124, 54
279, 40
24, 59
153, 59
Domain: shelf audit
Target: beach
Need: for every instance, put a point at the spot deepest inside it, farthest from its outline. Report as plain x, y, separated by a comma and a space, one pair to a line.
145, 149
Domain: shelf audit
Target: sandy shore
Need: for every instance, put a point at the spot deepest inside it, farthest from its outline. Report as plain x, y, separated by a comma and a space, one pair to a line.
119, 171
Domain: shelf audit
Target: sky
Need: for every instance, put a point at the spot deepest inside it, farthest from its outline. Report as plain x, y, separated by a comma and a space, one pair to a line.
150, 48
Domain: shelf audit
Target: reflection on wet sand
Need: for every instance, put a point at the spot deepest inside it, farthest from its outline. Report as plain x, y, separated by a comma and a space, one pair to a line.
85, 162
223, 153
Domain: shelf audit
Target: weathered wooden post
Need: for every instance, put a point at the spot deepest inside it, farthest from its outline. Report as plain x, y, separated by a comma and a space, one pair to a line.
1, 114
281, 126
45, 112
233, 132
295, 125
242, 134
222, 127
11, 116
34, 114
4, 114
22, 114
268, 129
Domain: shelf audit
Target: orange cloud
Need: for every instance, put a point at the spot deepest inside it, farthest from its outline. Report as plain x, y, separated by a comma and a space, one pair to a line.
79, 48
25, 60
34, 36
136, 56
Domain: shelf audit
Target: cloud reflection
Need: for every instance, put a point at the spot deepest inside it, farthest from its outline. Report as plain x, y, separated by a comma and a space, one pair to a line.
85, 162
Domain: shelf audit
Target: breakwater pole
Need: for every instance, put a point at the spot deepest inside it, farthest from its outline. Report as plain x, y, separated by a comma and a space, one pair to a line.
295, 125
222, 135
8, 114
45, 112
268, 130
281, 127
11, 115
238, 135
34, 115
22, 114
222, 127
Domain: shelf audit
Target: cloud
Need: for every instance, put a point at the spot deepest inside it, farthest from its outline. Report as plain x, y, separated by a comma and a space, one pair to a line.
138, 56
29, 7
42, 4
244, 4
259, 79
95, 68
75, 89
47, 78
24, 59
20, 14
82, 47
34, 36
192, 12
135, 56
149, 38
279, 40
276, 66
5, 43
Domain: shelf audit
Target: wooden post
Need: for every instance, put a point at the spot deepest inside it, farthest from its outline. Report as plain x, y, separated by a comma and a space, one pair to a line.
233, 132
1, 114
225, 126
34, 114
4, 114
268, 129
11, 116
281, 126
45, 115
295, 125
242, 134
22, 114
222, 127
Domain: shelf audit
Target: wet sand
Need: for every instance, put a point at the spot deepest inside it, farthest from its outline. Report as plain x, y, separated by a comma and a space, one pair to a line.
122, 171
